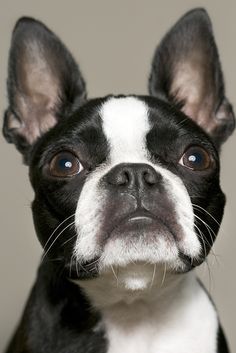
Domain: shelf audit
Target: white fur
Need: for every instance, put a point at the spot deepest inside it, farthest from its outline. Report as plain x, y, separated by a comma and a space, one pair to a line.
125, 124
184, 322
174, 316
88, 217
190, 244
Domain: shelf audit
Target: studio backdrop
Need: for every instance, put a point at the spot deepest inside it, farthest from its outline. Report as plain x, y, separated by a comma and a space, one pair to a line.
114, 42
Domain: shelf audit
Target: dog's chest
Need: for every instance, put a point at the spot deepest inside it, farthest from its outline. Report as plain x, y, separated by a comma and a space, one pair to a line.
181, 322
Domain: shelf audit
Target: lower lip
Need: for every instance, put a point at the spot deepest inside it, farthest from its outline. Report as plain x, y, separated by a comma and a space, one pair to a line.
140, 218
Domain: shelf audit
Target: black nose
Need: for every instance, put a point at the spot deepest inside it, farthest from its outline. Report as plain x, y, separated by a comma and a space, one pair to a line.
133, 176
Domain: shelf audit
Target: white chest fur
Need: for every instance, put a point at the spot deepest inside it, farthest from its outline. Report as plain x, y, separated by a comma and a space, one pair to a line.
181, 321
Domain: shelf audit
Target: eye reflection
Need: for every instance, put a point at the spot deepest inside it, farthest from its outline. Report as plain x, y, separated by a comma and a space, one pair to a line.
196, 158
65, 164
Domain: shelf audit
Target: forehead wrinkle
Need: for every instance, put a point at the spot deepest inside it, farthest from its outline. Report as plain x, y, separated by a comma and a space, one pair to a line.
125, 124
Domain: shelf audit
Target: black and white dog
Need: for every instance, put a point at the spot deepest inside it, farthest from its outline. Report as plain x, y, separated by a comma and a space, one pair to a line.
127, 195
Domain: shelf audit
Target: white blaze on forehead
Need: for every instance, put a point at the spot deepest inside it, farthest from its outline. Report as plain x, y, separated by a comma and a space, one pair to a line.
125, 124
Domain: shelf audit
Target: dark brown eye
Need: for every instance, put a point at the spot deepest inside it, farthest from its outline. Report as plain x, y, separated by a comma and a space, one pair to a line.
64, 164
196, 158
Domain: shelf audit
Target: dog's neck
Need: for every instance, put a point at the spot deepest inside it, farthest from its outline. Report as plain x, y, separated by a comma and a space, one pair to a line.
166, 304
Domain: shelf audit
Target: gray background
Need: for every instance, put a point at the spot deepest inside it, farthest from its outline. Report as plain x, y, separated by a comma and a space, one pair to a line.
114, 42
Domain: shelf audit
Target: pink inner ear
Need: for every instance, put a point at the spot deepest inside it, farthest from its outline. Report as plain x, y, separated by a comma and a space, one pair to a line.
191, 87
31, 130
37, 94
37, 78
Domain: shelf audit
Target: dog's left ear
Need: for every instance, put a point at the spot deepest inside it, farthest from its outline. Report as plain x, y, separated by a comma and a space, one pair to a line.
44, 82
186, 71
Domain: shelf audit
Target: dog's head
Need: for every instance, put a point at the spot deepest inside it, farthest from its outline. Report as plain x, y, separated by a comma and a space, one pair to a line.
121, 179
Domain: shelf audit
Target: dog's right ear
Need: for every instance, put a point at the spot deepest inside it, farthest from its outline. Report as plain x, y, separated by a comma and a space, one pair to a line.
44, 82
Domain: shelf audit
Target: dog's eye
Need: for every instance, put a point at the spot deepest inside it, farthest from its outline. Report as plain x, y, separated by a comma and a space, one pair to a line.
64, 164
196, 158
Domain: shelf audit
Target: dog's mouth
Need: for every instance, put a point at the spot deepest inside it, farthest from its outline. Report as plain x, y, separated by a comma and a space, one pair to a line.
140, 223
132, 230
141, 217
140, 227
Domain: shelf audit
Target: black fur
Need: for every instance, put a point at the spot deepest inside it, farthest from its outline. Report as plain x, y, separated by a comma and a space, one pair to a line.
58, 318
222, 345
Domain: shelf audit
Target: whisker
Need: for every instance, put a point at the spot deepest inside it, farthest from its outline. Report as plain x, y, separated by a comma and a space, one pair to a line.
164, 276
56, 230
115, 275
71, 260
209, 229
69, 225
209, 277
203, 209
68, 240
76, 265
91, 269
181, 123
54, 260
153, 275
203, 240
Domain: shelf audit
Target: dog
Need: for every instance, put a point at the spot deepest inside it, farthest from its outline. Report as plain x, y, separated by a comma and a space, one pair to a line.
127, 195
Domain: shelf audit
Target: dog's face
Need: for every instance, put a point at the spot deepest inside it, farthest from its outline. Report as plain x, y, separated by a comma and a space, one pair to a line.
127, 179
131, 179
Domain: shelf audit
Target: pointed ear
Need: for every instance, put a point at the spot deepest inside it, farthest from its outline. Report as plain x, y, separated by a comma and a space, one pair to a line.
43, 83
186, 71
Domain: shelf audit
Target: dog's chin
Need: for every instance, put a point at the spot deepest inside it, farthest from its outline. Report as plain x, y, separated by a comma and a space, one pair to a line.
139, 257
139, 240
135, 277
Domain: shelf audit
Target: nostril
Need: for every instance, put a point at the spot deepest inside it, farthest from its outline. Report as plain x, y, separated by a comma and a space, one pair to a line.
123, 178
119, 177
151, 177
